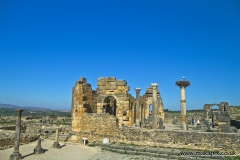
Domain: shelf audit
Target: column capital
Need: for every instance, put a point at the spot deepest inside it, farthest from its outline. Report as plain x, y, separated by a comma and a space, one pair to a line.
154, 85
138, 89
19, 110
183, 84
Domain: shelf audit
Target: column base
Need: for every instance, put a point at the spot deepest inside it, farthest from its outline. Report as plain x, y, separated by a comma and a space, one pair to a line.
15, 156
143, 125
38, 150
154, 126
56, 145
183, 126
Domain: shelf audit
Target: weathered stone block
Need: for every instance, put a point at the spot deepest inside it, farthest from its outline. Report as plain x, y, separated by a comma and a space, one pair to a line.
142, 153
38, 150
120, 151
15, 156
121, 147
131, 152
114, 150
150, 150
139, 149
173, 157
129, 148
163, 155
153, 154
114, 146
106, 148
121, 83
56, 145
163, 152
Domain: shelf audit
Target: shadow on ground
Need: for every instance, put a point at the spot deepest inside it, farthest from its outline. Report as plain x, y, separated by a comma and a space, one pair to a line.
44, 150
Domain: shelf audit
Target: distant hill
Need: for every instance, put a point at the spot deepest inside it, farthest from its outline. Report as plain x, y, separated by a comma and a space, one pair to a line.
27, 107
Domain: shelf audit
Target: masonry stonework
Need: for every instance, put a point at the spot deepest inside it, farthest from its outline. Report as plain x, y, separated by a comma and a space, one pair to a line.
112, 97
95, 127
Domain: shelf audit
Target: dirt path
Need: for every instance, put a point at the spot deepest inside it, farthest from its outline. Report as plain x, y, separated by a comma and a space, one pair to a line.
69, 151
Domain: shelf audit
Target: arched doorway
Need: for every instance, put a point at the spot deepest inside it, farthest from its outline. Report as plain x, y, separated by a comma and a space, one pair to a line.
214, 114
110, 105
150, 109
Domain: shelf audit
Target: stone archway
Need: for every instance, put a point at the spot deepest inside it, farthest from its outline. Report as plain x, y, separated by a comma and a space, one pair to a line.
217, 115
150, 109
214, 114
110, 105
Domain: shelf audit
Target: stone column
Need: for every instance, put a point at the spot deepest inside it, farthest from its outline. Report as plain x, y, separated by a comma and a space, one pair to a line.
119, 114
137, 107
56, 144
154, 105
143, 117
183, 108
183, 84
38, 149
16, 155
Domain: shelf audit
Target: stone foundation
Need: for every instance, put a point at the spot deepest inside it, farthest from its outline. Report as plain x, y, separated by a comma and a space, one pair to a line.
9, 141
95, 127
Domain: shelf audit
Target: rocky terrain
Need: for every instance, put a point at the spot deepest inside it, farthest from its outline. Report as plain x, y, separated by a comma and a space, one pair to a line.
31, 128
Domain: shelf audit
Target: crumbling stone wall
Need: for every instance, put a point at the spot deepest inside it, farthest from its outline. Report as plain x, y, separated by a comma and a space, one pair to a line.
103, 123
111, 97
235, 123
13, 128
82, 101
118, 89
96, 127
7, 139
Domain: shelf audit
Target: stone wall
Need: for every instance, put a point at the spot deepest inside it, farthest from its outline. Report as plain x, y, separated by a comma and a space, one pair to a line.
82, 101
111, 96
7, 139
92, 123
95, 127
235, 123
13, 128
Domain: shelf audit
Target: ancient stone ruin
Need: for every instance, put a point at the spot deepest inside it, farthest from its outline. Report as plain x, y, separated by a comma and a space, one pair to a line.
112, 97
183, 84
111, 113
218, 119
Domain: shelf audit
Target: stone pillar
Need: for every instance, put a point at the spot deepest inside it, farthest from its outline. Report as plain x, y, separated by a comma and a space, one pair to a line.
143, 117
137, 107
119, 114
183, 84
154, 105
183, 108
56, 144
16, 155
38, 149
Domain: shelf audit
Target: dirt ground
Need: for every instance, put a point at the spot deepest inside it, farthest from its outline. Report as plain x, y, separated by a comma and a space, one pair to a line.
71, 151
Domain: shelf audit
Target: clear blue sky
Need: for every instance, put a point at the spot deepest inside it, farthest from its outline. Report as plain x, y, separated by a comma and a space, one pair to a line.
45, 46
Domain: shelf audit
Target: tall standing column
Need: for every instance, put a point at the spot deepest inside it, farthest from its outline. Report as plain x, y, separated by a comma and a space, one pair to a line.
56, 144
154, 105
183, 84
137, 107
143, 116
16, 155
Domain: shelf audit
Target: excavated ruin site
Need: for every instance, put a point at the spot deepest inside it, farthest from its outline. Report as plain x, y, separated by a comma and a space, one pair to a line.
109, 123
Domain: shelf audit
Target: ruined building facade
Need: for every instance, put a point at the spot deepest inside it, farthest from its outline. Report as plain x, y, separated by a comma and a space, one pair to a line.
112, 97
